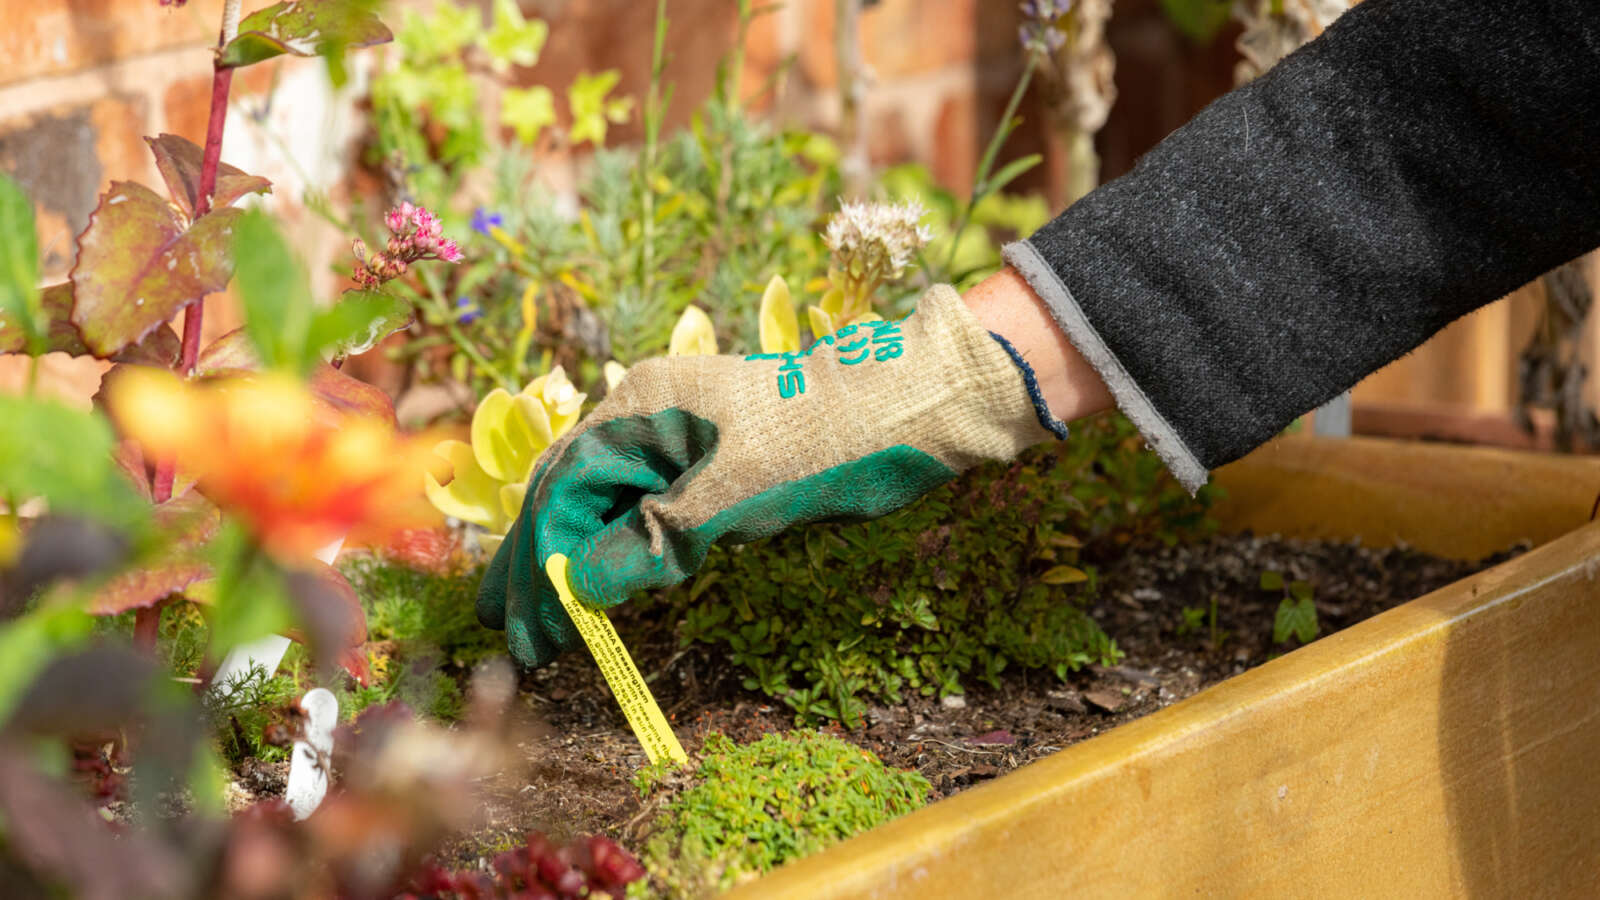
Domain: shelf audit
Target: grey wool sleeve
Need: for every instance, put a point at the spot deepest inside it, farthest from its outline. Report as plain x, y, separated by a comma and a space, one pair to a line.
1418, 160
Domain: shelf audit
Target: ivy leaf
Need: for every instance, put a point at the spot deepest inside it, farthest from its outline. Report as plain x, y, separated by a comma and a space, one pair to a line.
1297, 616
527, 111
138, 267
514, 40
590, 108
1271, 581
20, 315
179, 160
304, 28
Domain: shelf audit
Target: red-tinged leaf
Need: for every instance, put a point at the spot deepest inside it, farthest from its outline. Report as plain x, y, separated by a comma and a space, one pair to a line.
61, 336
435, 550
160, 348
61, 841
233, 353
329, 611
304, 28
138, 267
354, 661
189, 520
139, 588
180, 160
351, 396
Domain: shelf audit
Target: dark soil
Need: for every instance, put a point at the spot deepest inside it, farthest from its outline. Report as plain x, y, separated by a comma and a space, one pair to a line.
582, 755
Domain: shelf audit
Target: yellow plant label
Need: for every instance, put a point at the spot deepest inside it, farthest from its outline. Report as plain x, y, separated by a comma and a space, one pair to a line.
627, 685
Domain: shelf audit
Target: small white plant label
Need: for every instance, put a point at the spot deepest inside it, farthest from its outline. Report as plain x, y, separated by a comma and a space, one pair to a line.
309, 761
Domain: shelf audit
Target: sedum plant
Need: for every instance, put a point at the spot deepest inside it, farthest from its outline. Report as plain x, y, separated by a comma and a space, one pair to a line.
753, 807
508, 434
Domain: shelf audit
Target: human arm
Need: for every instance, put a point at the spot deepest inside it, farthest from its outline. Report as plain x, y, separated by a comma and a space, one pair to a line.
1420, 159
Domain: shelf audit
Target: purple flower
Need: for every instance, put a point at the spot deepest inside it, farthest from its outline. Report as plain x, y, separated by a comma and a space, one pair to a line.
483, 220
467, 311
1042, 32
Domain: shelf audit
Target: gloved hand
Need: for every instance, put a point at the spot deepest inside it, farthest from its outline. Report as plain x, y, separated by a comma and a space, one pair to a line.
691, 450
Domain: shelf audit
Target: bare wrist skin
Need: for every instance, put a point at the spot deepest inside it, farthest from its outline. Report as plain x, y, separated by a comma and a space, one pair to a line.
1007, 306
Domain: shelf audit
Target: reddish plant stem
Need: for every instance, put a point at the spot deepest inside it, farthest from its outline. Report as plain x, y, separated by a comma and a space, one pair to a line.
194, 314
147, 624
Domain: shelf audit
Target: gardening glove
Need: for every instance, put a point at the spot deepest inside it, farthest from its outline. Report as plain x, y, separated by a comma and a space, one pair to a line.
691, 450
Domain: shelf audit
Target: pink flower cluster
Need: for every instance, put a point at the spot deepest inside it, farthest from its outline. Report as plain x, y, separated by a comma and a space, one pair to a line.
415, 234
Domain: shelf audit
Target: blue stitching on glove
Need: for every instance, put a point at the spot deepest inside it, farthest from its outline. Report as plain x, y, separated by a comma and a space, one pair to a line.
1046, 418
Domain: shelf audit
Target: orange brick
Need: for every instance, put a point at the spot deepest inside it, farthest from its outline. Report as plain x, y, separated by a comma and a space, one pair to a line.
955, 142
187, 104
66, 157
910, 37
59, 36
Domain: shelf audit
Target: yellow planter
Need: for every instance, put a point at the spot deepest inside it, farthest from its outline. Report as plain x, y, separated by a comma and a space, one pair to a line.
1447, 747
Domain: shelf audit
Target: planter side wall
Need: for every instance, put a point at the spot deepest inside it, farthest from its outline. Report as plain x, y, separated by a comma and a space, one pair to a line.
1442, 748
1445, 748
1462, 503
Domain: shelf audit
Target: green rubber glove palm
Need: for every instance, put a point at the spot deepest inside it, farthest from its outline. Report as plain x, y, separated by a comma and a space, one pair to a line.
691, 450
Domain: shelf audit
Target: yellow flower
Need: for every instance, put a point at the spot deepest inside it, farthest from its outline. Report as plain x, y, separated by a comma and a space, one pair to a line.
508, 435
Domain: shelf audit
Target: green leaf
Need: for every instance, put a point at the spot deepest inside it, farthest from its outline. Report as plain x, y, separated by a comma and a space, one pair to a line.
527, 111
277, 301
63, 455
591, 110
1296, 617
21, 320
358, 322
439, 36
250, 599
138, 266
1271, 581
304, 28
514, 40
1014, 170
1200, 20
1064, 575
179, 161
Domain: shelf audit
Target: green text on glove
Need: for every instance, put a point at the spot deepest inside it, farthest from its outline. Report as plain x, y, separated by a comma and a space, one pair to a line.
882, 342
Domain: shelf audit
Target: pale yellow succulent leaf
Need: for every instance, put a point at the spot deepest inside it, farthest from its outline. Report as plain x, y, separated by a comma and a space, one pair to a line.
495, 450
614, 373
472, 495
694, 335
780, 327
511, 499
821, 322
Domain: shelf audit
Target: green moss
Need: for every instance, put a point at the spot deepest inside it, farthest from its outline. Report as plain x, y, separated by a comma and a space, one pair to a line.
756, 806
418, 609
986, 573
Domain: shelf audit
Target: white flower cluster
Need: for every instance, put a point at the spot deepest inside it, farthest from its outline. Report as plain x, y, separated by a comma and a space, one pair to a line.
876, 241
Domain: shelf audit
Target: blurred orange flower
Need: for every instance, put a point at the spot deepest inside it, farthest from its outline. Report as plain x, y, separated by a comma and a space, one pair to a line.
297, 472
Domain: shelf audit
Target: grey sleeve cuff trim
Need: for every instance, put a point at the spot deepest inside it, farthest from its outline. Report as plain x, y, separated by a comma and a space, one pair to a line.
1161, 436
